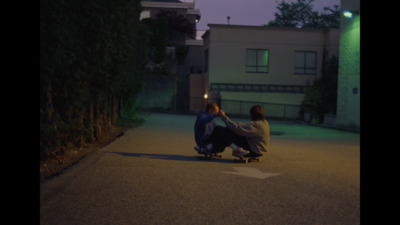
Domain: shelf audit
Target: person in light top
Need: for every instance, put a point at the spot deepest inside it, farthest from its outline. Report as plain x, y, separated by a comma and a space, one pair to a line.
253, 135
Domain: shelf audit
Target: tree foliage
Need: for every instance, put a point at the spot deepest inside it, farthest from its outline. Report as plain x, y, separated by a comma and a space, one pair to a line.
158, 38
301, 14
167, 29
321, 96
178, 25
92, 58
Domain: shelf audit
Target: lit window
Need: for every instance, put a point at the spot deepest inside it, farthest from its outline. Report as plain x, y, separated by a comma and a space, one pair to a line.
257, 60
305, 62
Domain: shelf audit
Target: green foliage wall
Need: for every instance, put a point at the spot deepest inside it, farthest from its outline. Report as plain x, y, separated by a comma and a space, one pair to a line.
92, 58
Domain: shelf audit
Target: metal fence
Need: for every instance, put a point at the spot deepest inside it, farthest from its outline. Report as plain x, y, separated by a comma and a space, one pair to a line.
241, 108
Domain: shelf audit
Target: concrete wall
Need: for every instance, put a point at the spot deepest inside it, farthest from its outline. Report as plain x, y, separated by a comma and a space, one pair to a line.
196, 93
348, 102
197, 86
159, 92
192, 65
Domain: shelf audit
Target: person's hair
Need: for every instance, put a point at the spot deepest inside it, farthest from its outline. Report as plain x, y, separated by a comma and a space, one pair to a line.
211, 105
257, 113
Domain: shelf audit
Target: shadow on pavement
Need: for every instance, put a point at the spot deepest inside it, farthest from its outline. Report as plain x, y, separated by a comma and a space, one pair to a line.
173, 157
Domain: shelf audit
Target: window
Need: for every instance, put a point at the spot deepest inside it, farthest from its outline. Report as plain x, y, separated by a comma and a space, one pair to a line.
257, 60
305, 62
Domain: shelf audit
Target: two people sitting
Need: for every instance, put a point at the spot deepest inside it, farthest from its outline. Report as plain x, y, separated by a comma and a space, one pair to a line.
245, 139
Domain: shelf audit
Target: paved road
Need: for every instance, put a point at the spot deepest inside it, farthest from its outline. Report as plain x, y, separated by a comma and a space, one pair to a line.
152, 175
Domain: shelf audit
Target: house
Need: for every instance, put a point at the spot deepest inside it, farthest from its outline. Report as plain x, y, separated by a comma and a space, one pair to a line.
152, 7
173, 95
270, 65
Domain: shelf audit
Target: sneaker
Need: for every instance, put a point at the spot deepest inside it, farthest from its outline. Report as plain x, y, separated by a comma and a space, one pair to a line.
209, 147
202, 150
199, 149
239, 152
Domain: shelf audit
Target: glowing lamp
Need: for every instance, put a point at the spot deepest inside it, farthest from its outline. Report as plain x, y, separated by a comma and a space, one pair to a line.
347, 14
350, 13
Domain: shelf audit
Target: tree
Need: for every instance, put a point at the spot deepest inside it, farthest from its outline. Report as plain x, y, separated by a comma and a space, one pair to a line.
92, 59
158, 38
329, 85
178, 25
167, 28
301, 14
321, 96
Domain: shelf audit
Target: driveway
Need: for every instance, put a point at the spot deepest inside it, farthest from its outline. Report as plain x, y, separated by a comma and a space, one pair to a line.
152, 175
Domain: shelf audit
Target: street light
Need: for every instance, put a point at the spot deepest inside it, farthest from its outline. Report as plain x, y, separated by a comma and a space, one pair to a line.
205, 99
350, 13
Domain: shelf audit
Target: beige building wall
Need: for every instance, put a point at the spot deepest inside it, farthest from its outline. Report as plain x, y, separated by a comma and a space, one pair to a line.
276, 98
228, 53
332, 38
227, 46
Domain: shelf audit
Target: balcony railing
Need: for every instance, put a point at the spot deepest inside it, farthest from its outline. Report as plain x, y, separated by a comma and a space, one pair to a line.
258, 88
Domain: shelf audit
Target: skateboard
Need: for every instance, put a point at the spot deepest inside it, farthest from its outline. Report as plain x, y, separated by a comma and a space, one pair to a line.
246, 160
209, 155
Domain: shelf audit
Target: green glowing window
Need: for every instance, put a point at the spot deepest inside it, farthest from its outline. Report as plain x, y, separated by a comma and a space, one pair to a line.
257, 60
305, 62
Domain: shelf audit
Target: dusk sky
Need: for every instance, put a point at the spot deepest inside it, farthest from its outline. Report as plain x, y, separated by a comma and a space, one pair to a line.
244, 12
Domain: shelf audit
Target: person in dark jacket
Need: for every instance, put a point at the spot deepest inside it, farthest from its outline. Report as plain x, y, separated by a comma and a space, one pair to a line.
205, 125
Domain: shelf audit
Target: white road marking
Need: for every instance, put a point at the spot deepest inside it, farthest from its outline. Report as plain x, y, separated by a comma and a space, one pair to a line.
251, 172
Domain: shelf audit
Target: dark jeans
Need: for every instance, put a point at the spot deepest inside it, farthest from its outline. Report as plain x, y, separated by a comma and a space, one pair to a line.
222, 137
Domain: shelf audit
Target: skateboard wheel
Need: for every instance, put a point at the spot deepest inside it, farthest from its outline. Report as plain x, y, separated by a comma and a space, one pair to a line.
210, 156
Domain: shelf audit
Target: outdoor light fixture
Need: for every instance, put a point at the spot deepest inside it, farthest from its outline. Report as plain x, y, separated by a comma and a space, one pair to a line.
205, 96
350, 13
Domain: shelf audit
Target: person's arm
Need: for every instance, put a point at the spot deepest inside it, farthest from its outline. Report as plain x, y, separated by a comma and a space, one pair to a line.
204, 118
245, 129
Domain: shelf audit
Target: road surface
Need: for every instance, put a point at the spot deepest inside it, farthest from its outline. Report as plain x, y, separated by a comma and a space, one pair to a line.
152, 175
